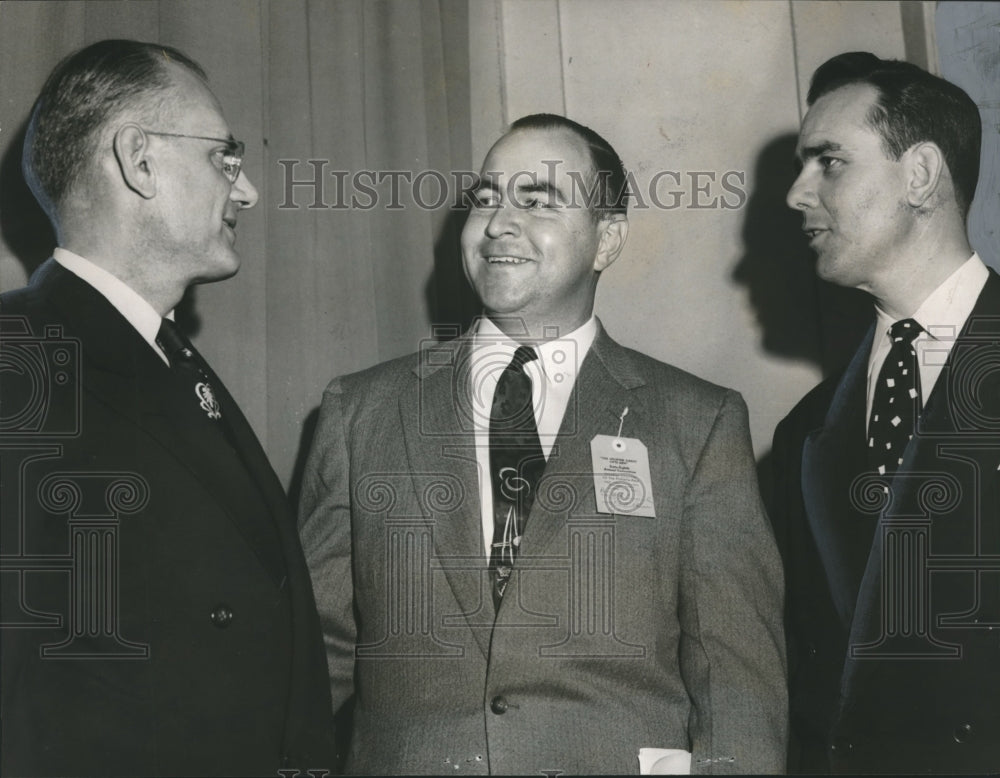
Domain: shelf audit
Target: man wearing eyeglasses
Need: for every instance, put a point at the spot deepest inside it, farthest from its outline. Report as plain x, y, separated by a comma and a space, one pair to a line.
158, 616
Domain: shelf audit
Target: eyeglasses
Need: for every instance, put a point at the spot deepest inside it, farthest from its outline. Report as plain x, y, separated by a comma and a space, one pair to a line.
232, 157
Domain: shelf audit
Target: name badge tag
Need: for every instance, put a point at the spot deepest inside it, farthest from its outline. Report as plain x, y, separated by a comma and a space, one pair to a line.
621, 476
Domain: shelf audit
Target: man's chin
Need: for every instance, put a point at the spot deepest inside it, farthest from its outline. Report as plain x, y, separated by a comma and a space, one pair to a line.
827, 268
225, 268
496, 310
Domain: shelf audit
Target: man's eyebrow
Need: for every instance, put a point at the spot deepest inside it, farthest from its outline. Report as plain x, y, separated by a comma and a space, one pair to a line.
811, 152
531, 186
485, 182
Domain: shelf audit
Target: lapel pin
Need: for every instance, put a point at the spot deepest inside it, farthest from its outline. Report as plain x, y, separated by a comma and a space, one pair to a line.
207, 400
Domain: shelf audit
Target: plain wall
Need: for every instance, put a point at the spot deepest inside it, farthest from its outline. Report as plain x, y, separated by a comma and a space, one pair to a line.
718, 282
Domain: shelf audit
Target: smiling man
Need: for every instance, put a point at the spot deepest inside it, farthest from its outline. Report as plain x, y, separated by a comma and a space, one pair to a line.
158, 617
534, 549
887, 501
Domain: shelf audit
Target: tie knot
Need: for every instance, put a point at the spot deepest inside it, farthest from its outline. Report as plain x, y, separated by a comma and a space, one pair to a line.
905, 331
172, 341
522, 356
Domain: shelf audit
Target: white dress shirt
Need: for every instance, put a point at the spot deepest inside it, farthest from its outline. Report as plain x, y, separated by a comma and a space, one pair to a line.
942, 315
552, 375
129, 303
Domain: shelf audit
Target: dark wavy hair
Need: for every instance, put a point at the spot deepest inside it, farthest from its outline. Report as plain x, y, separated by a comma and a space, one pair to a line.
912, 106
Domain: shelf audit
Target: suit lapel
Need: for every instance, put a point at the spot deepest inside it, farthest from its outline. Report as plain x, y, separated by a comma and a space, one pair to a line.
125, 374
832, 457
958, 405
218, 466
601, 392
439, 438
248, 446
961, 400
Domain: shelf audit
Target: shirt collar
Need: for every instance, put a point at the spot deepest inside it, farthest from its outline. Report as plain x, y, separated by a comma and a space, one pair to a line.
560, 356
129, 303
945, 310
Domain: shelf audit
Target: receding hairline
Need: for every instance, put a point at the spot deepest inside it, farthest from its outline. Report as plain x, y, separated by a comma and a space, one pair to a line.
583, 147
866, 93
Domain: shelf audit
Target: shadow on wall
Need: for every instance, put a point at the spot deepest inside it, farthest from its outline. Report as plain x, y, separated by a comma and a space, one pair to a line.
23, 223
801, 317
451, 303
777, 267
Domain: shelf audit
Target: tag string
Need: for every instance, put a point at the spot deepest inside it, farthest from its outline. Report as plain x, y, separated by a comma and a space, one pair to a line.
621, 421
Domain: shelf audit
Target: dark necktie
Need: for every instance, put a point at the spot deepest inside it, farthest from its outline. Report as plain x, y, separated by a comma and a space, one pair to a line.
187, 362
516, 463
896, 404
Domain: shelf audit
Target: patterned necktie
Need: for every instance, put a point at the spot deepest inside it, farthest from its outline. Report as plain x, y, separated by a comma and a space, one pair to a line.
516, 463
185, 359
896, 404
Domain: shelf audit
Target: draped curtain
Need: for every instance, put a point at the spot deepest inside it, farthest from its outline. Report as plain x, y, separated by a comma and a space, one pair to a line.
354, 86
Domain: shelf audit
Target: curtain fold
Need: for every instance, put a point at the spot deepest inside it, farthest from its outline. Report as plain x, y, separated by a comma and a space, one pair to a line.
352, 85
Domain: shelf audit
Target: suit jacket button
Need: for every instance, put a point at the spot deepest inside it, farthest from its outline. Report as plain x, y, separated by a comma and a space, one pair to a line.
962, 733
812, 651
222, 616
498, 705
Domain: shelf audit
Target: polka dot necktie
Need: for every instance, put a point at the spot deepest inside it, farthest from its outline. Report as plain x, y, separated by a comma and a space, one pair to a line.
516, 464
896, 404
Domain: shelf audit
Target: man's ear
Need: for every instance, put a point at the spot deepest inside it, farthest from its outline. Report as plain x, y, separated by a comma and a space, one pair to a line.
135, 164
614, 231
925, 166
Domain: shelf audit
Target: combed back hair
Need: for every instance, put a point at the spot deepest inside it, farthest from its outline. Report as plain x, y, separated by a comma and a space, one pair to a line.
84, 93
611, 192
913, 106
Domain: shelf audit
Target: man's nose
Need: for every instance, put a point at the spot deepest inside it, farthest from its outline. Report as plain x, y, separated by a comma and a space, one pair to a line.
504, 221
243, 192
802, 193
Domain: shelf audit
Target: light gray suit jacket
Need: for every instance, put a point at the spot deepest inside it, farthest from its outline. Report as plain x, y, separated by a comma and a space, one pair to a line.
616, 632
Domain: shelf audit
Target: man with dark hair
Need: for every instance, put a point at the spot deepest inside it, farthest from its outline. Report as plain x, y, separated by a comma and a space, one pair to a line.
886, 504
532, 548
912, 106
157, 612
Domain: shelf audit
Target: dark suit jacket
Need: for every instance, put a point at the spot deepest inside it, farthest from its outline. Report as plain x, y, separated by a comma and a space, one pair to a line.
616, 632
893, 594
158, 615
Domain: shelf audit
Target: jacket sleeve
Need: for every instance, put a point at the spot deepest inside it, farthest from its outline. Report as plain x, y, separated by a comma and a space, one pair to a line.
732, 649
325, 529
